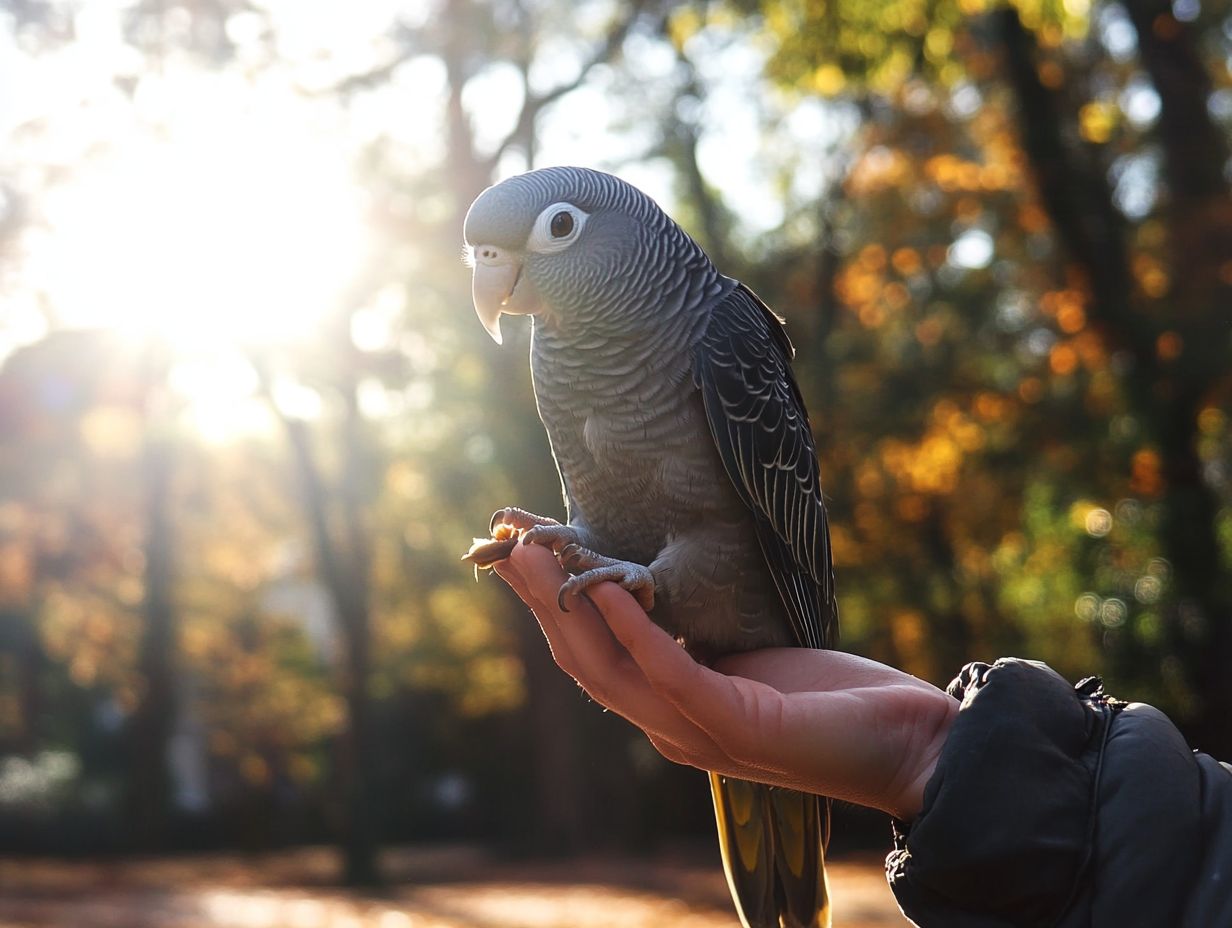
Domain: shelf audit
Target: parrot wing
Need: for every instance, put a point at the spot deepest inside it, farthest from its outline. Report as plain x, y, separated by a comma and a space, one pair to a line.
742, 366
772, 840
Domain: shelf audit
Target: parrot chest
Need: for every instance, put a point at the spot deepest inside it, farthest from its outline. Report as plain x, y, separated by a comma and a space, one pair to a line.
644, 481
639, 474
656, 494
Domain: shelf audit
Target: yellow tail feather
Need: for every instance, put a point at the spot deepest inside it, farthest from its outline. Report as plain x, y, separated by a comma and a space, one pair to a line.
773, 846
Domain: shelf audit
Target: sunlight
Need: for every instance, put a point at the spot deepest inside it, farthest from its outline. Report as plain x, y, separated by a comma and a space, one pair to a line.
229, 228
219, 215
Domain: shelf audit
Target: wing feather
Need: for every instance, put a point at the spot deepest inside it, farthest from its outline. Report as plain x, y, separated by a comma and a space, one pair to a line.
742, 366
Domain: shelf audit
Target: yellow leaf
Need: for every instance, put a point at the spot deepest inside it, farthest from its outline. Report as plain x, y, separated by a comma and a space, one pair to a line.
828, 80
682, 25
1096, 122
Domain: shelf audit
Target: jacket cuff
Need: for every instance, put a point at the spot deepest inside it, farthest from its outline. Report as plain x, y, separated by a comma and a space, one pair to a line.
1009, 814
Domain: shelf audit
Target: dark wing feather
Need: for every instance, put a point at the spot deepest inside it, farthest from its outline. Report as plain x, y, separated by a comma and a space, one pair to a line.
742, 365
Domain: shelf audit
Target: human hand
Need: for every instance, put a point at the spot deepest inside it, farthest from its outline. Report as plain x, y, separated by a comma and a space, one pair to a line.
821, 722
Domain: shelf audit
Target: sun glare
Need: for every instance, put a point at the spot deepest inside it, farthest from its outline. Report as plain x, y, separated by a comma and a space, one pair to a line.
218, 211
235, 231
218, 215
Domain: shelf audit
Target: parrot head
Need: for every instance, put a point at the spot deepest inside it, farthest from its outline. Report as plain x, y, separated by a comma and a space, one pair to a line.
568, 244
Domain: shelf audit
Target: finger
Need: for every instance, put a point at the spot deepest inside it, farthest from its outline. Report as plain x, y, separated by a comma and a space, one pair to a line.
728, 713
512, 574
585, 648
672, 751
529, 574
667, 665
581, 641
579, 638
508, 571
748, 718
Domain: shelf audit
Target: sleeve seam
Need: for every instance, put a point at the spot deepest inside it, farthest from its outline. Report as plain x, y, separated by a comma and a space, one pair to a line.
1108, 709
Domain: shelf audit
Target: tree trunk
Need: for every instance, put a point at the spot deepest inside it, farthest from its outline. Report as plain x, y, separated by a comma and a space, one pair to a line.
1070, 182
345, 575
1199, 206
1198, 211
150, 727
553, 705
21, 650
363, 839
1167, 394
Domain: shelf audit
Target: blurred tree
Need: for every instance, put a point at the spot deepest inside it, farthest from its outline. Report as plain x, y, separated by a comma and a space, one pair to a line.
999, 234
338, 526
1116, 409
73, 436
495, 420
1185, 360
350, 460
148, 781
1177, 356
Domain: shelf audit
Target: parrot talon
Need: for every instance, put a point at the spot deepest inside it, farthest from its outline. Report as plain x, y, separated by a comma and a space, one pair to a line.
554, 536
590, 568
570, 555
505, 527
517, 519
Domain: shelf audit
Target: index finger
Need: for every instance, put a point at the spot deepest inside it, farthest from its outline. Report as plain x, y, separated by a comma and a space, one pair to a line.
586, 649
732, 712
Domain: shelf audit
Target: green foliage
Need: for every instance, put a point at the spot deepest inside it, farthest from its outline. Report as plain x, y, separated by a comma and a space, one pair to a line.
833, 48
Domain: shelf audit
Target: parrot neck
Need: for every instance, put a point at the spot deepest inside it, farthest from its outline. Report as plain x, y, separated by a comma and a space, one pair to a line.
666, 311
651, 345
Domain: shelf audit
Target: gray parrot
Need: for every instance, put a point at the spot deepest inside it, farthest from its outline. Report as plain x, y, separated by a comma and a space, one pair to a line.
689, 470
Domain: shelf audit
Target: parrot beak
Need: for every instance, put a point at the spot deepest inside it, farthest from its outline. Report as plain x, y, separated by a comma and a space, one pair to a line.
498, 287
491, 288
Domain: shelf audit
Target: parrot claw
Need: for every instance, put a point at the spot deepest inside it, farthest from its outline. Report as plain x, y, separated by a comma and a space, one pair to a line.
591, 568
506, 526
511, 525
518, 519
555, 536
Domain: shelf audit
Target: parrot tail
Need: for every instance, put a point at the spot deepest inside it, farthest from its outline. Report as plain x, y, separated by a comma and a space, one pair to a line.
773, 845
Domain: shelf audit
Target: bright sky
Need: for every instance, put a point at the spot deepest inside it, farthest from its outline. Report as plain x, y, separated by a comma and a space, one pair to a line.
221, 210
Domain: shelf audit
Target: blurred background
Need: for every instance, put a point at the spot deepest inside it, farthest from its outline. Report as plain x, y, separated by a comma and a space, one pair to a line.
249, 422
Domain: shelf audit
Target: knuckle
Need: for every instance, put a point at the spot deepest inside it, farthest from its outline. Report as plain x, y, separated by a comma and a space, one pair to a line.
595, 690
669, 750
734, 746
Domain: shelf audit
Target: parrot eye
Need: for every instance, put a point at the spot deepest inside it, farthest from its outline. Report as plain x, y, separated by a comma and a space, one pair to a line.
556, 228
562, 224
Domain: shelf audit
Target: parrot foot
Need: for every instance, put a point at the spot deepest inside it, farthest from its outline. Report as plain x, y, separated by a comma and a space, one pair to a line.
557, 537
533, 529
511, 525
519, 520
484, 552
590, 568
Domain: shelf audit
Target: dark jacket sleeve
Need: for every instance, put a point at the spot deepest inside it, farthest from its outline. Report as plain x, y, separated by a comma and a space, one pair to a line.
1057, 805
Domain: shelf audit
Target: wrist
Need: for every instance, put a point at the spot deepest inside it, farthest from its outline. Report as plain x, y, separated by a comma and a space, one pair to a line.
927, 737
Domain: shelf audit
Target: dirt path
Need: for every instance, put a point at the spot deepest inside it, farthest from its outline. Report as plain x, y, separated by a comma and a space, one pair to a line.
430, 888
